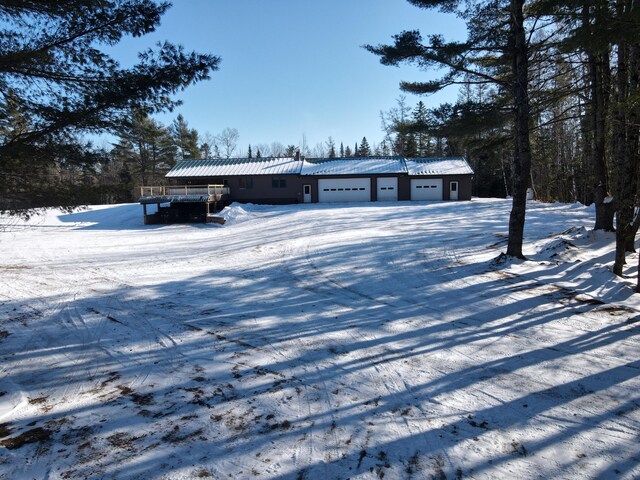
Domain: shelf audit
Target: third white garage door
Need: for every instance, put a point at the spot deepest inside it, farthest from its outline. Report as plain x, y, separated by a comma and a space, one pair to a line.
426, 189
344, 190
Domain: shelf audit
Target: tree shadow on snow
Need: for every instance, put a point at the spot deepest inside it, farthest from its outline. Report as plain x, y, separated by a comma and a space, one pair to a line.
311, 367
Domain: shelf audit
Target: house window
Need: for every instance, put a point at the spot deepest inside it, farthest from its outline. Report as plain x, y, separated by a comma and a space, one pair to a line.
278, 182
245, 183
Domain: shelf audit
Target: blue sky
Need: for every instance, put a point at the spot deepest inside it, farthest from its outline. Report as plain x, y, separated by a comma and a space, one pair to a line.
293, 67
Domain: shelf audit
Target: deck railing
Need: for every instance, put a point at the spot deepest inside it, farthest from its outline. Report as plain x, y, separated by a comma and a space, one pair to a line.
160, 190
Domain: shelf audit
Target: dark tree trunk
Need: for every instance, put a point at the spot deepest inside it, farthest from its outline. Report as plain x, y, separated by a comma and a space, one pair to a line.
633, 137
633, 231
625, 141
605, 209
623, 213
599, 78
522, 150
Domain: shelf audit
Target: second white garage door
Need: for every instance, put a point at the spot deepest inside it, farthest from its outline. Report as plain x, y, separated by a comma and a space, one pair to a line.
426, 189
344, 190
387, 189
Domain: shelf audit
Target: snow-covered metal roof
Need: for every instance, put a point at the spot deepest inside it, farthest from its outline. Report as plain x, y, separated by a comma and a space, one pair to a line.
438, 166
321, 166
236, 166
353, 166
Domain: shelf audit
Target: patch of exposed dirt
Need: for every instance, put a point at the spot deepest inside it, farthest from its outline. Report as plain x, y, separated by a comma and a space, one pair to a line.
137, 398
77, 436
113, 376
38, 401
5, 430
35, 435
615, 310
284, 425
123, 440
175, 436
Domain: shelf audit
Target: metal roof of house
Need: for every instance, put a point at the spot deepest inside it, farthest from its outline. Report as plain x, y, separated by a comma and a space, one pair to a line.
353, 166
321, 166
236, 166
438, 166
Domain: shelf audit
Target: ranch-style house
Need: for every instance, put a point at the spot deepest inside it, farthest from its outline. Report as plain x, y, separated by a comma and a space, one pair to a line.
199, 187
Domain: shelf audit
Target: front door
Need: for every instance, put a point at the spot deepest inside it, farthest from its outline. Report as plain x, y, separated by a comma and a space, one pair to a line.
453, 191
307, 193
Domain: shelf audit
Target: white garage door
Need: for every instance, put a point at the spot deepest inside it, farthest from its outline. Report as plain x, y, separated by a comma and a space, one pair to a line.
426, 189
344, 190
387, 190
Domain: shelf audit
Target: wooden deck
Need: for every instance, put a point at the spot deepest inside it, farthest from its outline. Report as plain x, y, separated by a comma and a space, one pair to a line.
187, 203
184, 193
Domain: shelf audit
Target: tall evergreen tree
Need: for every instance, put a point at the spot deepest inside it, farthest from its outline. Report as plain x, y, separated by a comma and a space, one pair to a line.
249, 153
365, 150
55, 70
420, 125
341, 150
497, 37
331, 147
153, 150
185, 139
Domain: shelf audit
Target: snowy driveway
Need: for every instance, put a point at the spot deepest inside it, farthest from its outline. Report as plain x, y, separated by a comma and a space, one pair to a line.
316, 342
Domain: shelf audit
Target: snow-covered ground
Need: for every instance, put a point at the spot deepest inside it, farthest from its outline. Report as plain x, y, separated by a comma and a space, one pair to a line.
317, 342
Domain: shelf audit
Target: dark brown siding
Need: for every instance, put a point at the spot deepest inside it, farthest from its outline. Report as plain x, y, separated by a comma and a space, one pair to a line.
261, 190
404, 188
464, 186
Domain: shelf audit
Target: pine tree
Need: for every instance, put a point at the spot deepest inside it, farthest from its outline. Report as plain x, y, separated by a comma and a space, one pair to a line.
497, 37
185, 139
356, 150
152, 146
55, 70
420, 126
290, 151
347, 152
249, 154
365, 150
331, 147
384, 149
341, 150
258, 154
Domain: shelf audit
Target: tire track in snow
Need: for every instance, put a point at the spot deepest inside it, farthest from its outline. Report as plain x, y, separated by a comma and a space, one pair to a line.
383, 376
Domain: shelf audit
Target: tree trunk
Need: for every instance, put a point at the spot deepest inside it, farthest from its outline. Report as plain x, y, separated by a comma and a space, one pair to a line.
633, 136
630, 245
605, 209
624, 143
522, 150
623, 216
599, 85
